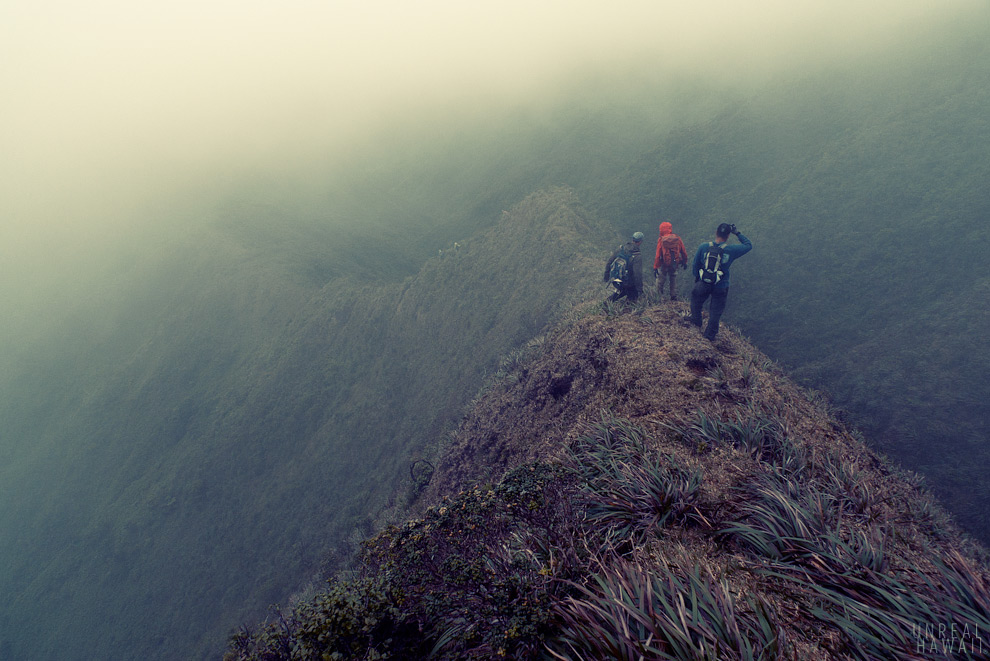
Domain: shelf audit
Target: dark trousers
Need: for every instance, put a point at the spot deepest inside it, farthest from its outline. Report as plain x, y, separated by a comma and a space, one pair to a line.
699, 295
629, 292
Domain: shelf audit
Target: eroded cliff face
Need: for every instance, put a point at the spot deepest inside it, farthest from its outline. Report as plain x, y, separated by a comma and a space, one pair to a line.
625, 487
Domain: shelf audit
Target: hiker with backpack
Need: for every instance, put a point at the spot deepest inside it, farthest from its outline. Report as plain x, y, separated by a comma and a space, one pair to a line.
711, 275
671, 253
625, 270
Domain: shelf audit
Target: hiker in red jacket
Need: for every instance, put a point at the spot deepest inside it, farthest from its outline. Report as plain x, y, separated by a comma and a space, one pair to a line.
670, 254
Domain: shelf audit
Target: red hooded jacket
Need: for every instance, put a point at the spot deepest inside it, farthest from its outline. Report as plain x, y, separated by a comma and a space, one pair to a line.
670, 250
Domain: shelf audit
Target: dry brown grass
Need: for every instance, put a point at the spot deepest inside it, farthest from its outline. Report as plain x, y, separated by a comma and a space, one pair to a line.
626, 489
650, 367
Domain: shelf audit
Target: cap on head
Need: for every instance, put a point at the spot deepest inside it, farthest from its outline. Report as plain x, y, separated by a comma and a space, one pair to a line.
724, 230
637, 237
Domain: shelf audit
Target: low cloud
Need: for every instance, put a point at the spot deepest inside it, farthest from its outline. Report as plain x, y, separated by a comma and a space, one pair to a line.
111, 107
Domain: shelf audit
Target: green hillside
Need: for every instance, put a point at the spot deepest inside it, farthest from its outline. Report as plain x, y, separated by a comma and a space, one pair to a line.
244, 408
254, 426
629, 490
865, 193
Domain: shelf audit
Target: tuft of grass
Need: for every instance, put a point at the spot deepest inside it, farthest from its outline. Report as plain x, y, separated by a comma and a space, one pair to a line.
857, 491
630, 488
765, 439
874, 612
789, 458
757, 436
644, 496
782, 523
615, 308
606, 441
706, 430
750, 379
844, 572
631, 613
719, 374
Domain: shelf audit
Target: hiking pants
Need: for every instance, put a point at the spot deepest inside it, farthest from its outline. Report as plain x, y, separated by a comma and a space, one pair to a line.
630, 292
661, 280
699, 295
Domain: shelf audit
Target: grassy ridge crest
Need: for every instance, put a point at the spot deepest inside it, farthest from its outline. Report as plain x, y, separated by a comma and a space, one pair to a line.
627, 489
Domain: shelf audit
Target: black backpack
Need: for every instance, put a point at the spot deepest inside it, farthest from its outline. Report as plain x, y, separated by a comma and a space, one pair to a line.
711, 267
620, 268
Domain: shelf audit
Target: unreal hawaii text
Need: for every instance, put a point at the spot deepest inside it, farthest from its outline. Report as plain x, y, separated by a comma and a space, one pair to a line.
950, 638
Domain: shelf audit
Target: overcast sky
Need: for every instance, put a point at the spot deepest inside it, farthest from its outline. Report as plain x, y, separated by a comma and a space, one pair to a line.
99, 88
106, 103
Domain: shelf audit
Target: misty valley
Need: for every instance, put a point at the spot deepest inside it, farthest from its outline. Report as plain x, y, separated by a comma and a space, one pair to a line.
189, 458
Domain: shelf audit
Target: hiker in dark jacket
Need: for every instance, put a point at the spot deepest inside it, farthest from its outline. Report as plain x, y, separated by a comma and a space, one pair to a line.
719, 289
632, 286
671, 253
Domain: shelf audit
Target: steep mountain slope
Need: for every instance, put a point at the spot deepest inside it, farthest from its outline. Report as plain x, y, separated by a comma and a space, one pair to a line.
863, 188
206, 457
626, 488
198, 450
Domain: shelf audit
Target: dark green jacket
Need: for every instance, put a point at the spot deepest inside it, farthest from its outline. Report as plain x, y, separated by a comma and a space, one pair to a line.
635, 265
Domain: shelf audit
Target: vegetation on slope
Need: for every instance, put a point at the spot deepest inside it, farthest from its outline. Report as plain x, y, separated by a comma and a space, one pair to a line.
223, 451
863, 189
628, 490
198, 448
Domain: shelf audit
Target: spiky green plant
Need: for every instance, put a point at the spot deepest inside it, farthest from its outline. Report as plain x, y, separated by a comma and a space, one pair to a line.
704, 431
643, 496
875, 613
608, 308
856, 491
789, 458
779, 526
941, 615
763, 437
629, 487
756, 435
844, 571
749, 376
606, 444
768, 440
631, 613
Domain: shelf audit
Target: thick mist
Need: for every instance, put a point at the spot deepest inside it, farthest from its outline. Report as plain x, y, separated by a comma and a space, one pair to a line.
125, 125
189, 197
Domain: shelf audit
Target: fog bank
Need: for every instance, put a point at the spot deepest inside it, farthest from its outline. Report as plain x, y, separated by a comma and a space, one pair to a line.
113, 112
